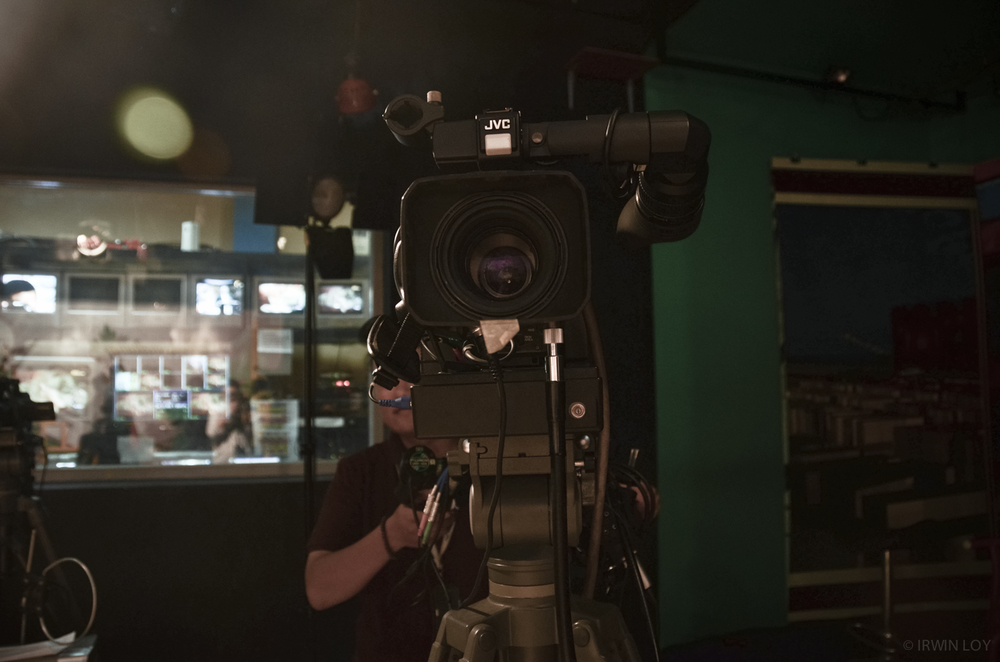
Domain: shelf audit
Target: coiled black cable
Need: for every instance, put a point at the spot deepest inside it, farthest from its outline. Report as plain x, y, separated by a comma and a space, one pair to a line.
617, 189
633, 563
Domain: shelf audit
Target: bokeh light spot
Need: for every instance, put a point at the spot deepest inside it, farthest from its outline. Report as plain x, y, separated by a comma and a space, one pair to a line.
154, 124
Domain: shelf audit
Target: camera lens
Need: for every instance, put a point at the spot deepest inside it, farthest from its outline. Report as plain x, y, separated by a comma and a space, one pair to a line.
504, 272
502, 265
499, 248
499, 255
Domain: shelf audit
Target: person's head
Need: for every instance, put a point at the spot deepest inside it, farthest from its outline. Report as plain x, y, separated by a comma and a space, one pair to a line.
399, 421
239, 405
234, 391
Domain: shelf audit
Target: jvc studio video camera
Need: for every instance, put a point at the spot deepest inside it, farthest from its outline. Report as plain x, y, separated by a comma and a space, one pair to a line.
17, 443
492, 262
503, 243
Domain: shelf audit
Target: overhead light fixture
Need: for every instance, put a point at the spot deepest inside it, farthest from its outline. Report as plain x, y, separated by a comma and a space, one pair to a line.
94, 238
355, 95
838, 75
90, 246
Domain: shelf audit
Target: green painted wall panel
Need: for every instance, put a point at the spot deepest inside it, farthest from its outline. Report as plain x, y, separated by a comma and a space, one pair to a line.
721, 475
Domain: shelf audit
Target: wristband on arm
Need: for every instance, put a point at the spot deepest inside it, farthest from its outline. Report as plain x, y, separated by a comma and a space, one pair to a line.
385, 540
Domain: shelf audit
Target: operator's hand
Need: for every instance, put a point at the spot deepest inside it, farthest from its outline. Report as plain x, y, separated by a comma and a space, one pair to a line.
401, 528
640, 502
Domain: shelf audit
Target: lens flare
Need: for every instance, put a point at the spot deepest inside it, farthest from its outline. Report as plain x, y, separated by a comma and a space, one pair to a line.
154, 124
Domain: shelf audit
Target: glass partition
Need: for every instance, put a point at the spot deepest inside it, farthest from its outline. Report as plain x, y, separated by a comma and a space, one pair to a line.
162, 342
882, 326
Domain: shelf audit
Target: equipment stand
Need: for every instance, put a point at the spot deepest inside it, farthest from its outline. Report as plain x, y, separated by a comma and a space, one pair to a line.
12, 506
556, 401
883, 641
529, 615
519, 618
307, 448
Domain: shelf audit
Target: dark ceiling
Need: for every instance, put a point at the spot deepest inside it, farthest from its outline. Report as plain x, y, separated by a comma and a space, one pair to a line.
262, 76
913, 47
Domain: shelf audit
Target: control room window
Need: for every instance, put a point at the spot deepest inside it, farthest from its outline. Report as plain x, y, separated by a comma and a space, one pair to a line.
167, 330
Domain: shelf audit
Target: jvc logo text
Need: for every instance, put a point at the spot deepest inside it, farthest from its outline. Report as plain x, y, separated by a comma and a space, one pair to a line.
494, 125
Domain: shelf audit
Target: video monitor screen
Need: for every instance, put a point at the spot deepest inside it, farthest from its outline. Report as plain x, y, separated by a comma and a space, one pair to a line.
340, 299
171, 387
157, 295
173, 405
29, 293
218, 296
209, 403
281, 298
134, 405
65, 385
94, 293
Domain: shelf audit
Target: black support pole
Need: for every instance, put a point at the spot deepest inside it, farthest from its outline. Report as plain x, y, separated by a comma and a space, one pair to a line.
556, 396
307, 449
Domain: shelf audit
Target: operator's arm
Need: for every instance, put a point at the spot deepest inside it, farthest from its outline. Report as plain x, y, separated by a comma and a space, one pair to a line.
334, 577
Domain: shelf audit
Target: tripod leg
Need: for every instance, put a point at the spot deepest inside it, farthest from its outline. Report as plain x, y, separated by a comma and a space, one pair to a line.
439, 653
585, 641
29, 505
482, 645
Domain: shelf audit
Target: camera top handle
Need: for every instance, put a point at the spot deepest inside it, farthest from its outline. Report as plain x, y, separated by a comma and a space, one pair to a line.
662, 140
669, 149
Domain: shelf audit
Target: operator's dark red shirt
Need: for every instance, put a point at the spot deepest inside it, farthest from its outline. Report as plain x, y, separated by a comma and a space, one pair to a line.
397, 627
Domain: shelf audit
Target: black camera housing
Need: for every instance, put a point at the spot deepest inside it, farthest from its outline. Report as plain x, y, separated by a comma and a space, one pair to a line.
443, 221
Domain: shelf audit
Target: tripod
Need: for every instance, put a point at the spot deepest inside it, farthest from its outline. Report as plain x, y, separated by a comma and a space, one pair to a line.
529, 615
21, 527
517, 621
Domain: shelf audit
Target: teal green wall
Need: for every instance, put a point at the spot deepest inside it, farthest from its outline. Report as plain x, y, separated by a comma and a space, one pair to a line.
721, 473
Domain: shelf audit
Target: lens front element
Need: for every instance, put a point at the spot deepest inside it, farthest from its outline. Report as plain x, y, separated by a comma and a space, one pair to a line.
499, 255
502, 265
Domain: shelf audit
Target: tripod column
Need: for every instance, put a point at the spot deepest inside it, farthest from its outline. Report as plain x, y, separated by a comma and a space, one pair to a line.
557, 453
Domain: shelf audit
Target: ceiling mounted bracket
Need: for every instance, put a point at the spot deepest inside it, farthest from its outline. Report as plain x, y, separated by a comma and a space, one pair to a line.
605, 64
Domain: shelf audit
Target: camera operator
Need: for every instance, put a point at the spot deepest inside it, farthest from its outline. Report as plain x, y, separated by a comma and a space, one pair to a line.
365, 542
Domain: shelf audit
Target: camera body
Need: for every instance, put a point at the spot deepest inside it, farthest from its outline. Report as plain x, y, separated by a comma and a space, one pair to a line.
481, 255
